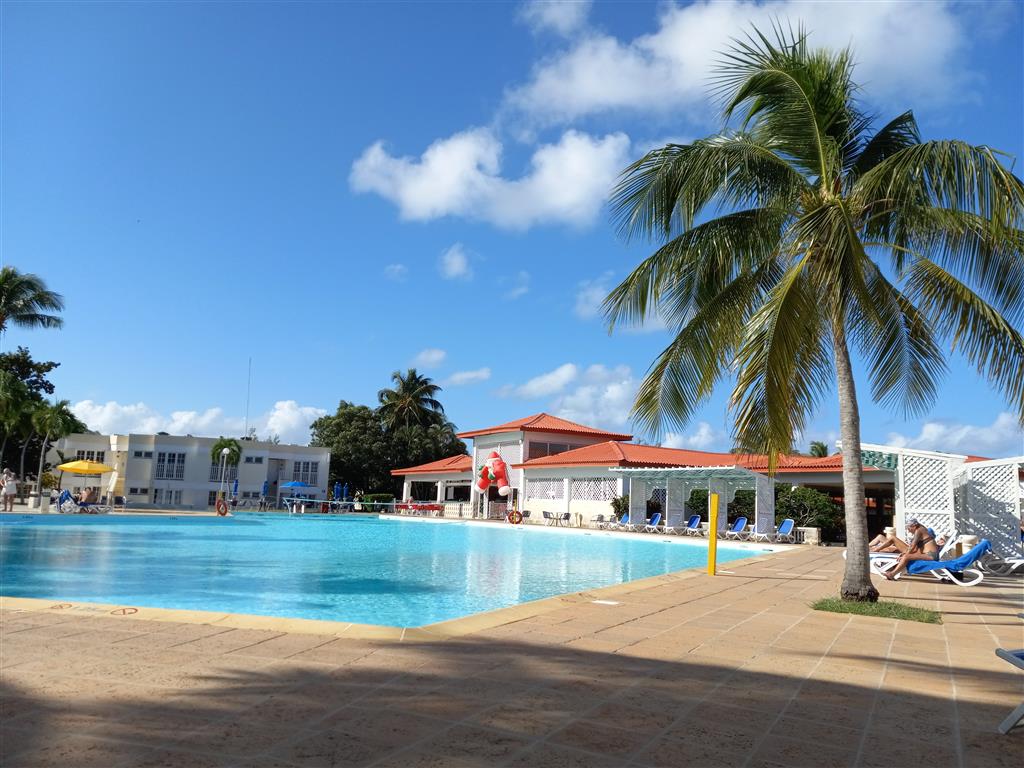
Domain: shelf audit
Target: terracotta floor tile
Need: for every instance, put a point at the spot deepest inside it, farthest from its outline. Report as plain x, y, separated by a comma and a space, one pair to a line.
602, 738
465, 742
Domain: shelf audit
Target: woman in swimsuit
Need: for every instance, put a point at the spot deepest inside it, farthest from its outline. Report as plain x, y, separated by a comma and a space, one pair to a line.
922, 547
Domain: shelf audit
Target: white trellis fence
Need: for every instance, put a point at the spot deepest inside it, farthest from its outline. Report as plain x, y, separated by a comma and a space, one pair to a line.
989, 498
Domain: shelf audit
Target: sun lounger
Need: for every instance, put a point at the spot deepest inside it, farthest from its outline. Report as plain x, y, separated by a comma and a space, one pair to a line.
1002, 566
693, 526
738, 530
784, 531
1016, 658
618, 524
69, 505
637, 526
652, 527
954, 569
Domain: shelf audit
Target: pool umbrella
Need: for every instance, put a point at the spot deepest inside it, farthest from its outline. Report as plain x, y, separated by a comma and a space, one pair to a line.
85, 467
337, 492
344, 492
266, 488
234, 488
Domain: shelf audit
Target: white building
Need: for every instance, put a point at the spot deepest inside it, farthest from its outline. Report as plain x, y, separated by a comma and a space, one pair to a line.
178, 472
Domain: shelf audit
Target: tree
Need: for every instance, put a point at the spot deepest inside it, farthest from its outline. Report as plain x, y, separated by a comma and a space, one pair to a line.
234, 451
52, 421
412, 400
26, 302
803, 231
360, 448
808, 508
818, 449
15, 400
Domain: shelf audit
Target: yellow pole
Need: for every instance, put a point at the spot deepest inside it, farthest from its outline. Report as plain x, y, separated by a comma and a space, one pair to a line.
712, 532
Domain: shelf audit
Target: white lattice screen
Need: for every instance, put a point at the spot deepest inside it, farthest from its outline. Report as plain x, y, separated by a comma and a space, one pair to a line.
927, 485
637, 499
988, 499
544, 488
593, 489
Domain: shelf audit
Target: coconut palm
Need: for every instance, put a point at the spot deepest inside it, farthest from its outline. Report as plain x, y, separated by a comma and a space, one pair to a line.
25, 301
52, 421
411, 401
803, 231
234, 450
818, 449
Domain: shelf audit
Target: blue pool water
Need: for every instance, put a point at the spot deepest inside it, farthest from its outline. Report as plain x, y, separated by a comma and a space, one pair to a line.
392, 572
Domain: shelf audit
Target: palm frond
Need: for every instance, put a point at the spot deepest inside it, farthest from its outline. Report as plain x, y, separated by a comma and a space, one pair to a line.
898, 134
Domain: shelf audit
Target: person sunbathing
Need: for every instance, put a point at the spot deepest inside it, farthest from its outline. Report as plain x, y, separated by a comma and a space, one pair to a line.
88, 496
922, 547
887, 541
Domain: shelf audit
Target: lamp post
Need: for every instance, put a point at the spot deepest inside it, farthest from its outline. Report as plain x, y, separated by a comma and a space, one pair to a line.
224, 452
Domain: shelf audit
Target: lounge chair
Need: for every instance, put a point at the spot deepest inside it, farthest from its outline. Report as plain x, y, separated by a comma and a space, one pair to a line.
597, 521
693, 526
652, 527
1017, 659
69, 505
1002, 566
881, 562
616, 524
784, 531
639, 525
954, 569
738, 530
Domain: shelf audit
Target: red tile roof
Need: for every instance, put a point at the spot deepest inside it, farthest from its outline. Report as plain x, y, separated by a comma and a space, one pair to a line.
461, 463
793, 463
619, 454
545, 422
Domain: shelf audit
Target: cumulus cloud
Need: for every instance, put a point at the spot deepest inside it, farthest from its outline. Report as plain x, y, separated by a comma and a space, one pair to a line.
287, 419
914, 46
544, 385
1003, 437
461, 176
396, 272
590, 294
560, 16
703, 438
431, 357
603, 397
454, 263
460, 378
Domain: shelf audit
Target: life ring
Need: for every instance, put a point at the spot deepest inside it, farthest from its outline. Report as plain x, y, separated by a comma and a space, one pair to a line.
222, 507
515, 517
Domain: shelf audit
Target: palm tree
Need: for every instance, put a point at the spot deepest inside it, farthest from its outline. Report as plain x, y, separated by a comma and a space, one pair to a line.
52, 421
411, 401
816, 232
25, 301
818, 449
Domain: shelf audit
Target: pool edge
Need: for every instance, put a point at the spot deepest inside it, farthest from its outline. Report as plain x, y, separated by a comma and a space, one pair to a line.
443, 630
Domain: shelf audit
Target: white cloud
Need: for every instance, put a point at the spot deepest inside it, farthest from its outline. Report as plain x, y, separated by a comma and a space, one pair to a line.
396, 272
520, 285
546, 384
431, 357
1003, 437
590, 294
604, 397
287, 419
454, 263
704, 438
901, 47
461, 176
460, 378
561, 16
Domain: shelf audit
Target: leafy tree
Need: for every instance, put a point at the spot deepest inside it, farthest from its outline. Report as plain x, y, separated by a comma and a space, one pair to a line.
52, 421
818, 449
25, 301
809, 509
803, 230
32, 373
360, 448
412, 400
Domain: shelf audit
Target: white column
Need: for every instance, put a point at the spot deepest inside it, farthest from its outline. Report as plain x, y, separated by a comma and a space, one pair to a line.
406, 488
565, 496
440, 491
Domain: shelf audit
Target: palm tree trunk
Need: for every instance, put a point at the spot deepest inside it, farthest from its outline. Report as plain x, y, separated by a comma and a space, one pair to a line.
39, 477
857, 578
21, 466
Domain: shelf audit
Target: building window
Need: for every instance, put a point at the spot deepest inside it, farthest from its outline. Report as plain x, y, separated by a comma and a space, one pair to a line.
305, 471
91, 456
230, 472
170, 466
211, 498
147, 454
257, 459
248, 459
137, 454
537, 450
138, 491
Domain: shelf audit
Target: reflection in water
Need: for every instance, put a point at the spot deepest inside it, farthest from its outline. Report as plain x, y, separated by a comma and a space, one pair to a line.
401, 573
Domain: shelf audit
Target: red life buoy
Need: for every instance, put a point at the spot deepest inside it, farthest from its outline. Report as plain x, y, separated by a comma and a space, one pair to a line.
515, 517
222, 507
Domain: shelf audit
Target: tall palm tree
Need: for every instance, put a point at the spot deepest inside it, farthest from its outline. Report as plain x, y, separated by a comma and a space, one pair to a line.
818, 449
411, 401
52, 421
234, 449
25, 301
805, 230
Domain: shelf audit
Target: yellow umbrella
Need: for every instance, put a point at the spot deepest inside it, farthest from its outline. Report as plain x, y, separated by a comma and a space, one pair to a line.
83, 467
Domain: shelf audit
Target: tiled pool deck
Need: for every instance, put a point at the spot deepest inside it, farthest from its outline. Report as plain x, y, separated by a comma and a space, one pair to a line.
684, 670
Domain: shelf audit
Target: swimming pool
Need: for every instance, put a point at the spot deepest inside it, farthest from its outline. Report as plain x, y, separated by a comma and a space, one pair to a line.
393, 572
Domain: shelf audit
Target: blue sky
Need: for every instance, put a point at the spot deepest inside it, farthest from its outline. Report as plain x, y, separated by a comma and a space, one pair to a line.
340, 190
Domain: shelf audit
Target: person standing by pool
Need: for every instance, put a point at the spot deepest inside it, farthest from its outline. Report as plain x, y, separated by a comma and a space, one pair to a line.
9, 491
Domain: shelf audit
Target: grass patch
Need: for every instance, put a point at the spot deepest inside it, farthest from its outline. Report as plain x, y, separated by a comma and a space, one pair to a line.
883, 609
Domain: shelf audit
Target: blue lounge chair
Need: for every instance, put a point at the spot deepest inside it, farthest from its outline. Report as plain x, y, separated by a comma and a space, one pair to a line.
693, 526
614, 524
738, 530
652, 527
956, 568
784, 531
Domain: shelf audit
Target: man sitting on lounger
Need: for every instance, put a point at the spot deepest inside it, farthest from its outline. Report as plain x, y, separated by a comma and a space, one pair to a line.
922, 546
88, 496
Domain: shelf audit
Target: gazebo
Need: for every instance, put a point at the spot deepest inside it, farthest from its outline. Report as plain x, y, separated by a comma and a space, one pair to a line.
679, 482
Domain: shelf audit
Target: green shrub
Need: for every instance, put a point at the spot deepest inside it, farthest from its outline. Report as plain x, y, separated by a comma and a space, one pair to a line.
379, 498
620, 505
